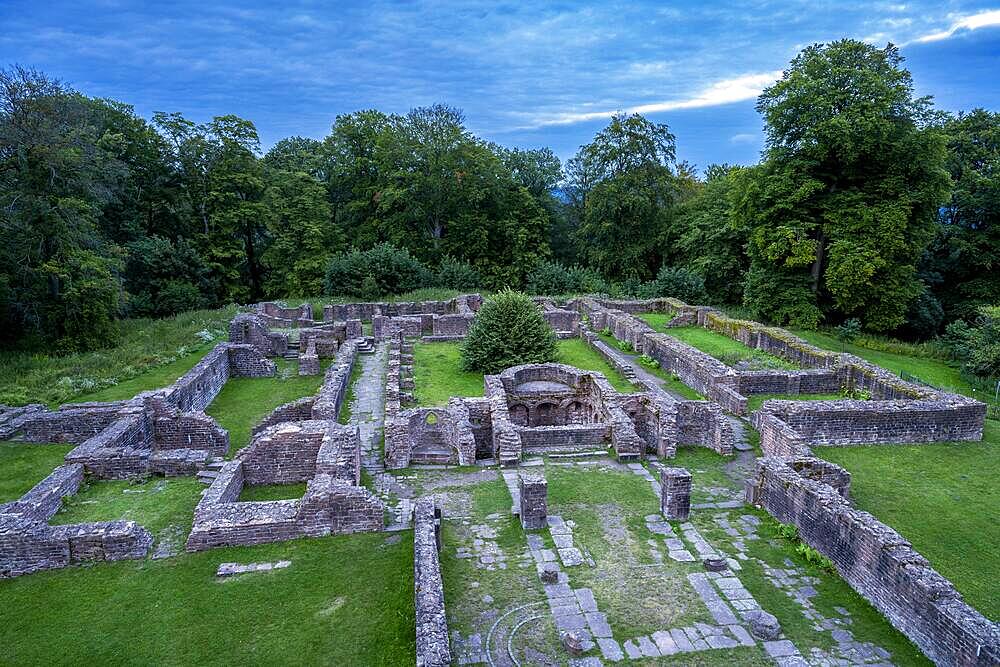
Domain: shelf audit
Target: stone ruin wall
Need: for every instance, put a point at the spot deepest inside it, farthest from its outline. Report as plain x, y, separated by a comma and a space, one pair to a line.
875, 560
433, 647
325, 454
29, 544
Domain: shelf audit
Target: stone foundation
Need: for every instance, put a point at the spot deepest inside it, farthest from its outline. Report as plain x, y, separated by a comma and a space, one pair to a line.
675, 493
533, 491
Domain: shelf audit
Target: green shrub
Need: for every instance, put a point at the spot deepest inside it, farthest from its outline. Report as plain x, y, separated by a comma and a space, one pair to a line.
554, 278
849, 330
977, 346
648, 361
453, 274
380, 271
625, 346
788, 532
508, 330
814, 557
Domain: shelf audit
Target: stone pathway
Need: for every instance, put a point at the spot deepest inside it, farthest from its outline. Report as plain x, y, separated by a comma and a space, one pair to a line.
368, 406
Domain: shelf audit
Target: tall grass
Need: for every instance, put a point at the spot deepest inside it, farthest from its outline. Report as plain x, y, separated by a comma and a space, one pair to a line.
145, 344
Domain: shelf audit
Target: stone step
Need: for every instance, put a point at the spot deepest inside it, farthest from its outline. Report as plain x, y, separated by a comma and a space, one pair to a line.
207, 476
215, 464
579, 455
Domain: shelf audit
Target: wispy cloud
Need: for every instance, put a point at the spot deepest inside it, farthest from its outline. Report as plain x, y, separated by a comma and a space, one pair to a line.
985, 19
726, 91
743, 138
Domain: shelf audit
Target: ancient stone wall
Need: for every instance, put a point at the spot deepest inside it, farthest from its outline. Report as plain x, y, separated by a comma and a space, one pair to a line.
197, 388
284, 453
333, 506
298, 410
506, 439
538, 439
331, 394
433, 649
246, 361
72, 423
877, 563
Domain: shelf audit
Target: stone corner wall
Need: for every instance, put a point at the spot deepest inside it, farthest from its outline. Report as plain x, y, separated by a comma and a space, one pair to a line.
433, 649
875, 560
533, 492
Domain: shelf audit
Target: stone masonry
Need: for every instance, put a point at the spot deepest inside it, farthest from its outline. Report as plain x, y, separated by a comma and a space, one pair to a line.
533, 492
433, 648
675, 493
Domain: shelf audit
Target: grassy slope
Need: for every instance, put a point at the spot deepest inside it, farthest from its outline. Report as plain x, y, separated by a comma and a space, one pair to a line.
144, 344
942, 497
154, 378
723, 347
345, 600
437, 373
24, 465
657, 320
243, 402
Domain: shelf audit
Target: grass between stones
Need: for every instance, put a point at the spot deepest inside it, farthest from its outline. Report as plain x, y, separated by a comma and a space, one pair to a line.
157, 503
438, 374
243, 402
22, 465
260, 492
345, 408
671, 382
943, 498
868, 625
726, 349
345, 600
657, 320
756, 400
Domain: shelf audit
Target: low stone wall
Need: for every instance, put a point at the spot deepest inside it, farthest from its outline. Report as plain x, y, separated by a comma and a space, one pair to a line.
73, 423
506, 439
433, 649
296, 411
197, 388
851, 422
570, 436
284, 453
533, 494
331, 394
877, 563
29, 544
675, 493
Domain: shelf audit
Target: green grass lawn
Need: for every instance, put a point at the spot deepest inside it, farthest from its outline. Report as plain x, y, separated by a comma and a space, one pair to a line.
144, 344
725, 348
243, 402
259, 492
156, 503
345, 600
941, 497
24, 465
438, 374
657, 320
756, 400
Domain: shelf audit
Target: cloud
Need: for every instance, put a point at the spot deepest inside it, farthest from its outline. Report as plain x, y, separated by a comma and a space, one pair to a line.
726, 91
972, 22
743, 139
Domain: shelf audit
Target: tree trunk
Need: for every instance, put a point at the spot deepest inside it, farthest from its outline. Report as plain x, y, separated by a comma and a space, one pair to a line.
817, 267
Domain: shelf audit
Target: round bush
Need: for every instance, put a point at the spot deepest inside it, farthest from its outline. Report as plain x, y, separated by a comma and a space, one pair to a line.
509, 330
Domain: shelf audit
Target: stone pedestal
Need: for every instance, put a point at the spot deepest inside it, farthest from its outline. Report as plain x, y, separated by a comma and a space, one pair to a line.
675, 493
534, 490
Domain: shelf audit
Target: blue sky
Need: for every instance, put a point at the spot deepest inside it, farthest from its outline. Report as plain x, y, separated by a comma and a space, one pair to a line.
526, 74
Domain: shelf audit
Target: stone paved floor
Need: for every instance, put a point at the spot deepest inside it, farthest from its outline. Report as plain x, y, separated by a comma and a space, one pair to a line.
368, 406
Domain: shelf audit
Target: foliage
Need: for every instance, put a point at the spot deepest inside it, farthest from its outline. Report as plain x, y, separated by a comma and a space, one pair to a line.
977, 346
849, 330
455, 274
622, 189
648, 361
552, 278
384, 269
508, 330
677, 282
165, 277
845, 201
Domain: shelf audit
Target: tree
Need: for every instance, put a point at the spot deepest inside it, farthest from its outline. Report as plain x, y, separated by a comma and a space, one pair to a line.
623, 190
844, 203
380, 271
708, 243
965, 260
56, 177
507, 331
165, 277
302, 234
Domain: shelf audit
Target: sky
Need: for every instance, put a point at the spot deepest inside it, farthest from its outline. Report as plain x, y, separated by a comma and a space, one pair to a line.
526, 74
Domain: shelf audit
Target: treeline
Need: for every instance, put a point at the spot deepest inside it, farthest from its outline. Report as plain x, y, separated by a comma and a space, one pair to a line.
868, 204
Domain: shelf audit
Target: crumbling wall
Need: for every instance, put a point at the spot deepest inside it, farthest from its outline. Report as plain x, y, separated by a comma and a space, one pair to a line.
331, 394
533, 494
295, 411
506, 440
877, 563
284, 453
73, 423
433, 648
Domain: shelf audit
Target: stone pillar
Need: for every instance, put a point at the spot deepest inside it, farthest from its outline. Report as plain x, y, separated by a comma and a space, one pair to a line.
533, 489
675, 493
309, 361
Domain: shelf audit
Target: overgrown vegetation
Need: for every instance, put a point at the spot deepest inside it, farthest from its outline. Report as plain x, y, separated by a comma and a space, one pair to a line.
726, 349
